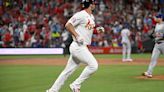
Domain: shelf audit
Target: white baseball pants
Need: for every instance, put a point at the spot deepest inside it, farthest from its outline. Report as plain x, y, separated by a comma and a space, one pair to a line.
126, 50
78, 54
157, 50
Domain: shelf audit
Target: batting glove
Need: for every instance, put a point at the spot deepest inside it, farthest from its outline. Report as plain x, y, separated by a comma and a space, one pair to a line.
100, 29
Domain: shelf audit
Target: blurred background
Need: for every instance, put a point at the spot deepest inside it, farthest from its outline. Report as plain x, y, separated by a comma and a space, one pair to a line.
40, 23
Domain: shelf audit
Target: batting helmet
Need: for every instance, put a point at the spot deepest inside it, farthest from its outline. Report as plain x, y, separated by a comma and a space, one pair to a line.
160, 16
86, 3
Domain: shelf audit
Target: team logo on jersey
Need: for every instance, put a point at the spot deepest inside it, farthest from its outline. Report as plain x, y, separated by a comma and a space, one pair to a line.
89, 26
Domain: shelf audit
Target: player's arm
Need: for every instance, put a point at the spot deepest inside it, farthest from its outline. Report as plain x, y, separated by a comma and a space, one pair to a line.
129, 34
71, 29
162, 35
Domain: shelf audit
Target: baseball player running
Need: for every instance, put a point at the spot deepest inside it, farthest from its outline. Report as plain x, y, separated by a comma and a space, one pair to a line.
126, 45
159, 44
80, 25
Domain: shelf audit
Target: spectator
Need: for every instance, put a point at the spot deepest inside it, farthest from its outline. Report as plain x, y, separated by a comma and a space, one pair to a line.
31, 16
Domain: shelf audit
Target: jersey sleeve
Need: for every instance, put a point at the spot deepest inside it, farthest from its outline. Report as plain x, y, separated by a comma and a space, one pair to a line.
75, 19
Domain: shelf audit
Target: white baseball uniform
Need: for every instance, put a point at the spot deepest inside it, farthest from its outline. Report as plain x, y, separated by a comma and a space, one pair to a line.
158, 47
83, 24
126, 50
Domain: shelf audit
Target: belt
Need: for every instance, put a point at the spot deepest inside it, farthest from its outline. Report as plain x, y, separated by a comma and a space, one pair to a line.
159, 42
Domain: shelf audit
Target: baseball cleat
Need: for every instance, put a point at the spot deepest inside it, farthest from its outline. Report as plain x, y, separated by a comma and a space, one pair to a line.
124, 60
74, 88
130, 60
147, 75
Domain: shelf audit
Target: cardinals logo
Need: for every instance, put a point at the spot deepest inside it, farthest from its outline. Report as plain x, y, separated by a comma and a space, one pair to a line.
89, 26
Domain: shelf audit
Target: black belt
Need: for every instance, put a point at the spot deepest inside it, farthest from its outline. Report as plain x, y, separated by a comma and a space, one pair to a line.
159, 42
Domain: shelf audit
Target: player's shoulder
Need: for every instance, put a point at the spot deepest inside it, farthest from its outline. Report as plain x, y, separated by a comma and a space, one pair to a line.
125, 30
80, 13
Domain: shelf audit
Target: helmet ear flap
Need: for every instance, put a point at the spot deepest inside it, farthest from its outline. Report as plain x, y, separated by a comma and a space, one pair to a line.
162, 17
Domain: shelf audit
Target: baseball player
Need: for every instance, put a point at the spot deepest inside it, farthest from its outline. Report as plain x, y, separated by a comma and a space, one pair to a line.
158, 35
81, 26
126, 45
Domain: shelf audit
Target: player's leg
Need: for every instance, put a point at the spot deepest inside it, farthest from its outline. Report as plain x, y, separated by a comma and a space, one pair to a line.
162, 47
123, 52
92, 65
129, 52
155, 54
71, 66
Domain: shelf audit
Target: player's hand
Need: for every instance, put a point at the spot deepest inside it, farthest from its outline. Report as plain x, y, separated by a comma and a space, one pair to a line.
80, 40
159, 35
100, 29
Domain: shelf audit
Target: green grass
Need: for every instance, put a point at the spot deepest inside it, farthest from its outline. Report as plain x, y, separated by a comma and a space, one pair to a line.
112, 78
109, 78
145, 55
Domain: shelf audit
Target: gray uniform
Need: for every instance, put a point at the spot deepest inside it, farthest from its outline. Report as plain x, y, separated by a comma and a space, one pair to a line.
158, 47
126, 50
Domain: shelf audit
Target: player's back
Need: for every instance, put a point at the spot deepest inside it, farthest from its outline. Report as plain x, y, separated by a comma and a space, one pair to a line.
125, 33
159, 29
84, 24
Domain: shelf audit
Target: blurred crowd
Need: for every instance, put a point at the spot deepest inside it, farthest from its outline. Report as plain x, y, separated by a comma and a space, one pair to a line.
40, 23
